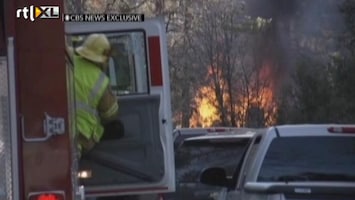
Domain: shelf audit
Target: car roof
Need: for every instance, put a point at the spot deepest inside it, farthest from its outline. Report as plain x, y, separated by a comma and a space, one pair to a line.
315, 130
210, 131
248, 134
182, 134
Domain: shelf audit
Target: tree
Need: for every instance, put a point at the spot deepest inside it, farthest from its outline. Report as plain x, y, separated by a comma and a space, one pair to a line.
322, 88
217, 50
185, 72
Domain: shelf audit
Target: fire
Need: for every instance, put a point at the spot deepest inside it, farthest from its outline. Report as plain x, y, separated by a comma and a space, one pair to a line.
206, 113
257, 106
268, 99
261, 102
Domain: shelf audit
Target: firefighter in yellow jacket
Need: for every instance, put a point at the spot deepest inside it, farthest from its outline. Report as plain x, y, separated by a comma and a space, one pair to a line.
95, 103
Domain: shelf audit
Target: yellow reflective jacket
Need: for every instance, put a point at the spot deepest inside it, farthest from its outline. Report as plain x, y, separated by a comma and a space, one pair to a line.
90, 84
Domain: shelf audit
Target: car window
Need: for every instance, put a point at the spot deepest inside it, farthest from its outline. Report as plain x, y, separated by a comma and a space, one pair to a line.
309, 158
127, 67
191, 158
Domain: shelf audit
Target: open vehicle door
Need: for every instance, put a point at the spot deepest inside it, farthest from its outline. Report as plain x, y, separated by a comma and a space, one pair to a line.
143, 160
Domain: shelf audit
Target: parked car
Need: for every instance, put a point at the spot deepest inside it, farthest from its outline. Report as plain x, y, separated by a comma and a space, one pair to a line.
201, 148
308, 162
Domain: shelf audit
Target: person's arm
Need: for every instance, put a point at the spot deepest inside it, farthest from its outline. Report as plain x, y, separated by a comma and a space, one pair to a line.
108, 106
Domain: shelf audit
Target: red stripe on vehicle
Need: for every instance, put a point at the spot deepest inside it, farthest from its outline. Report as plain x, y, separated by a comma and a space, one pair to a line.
341, 129
155, 61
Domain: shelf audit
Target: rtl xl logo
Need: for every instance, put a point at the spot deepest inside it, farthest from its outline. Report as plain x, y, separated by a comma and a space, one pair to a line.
34, 12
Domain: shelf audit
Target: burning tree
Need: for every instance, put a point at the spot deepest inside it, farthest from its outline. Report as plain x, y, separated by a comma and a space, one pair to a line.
238, 86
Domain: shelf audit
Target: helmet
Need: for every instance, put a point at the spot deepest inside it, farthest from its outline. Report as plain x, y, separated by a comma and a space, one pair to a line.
95, 48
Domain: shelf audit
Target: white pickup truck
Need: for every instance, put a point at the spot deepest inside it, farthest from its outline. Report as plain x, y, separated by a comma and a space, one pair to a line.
293, 162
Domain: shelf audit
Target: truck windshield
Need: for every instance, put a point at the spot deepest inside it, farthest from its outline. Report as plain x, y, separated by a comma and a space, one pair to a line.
309, 159
194, 156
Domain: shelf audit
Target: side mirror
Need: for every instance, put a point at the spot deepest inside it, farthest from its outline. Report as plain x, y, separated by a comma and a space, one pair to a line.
214, 176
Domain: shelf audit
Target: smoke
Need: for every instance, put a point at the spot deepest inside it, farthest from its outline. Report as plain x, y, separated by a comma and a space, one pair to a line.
299, 28
272, 8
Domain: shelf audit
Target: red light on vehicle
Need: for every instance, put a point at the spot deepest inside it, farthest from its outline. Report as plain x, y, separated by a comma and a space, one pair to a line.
341, 129
47, 196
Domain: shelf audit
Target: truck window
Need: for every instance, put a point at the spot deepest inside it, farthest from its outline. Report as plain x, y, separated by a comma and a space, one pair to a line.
128, 65
309, 159
127, 69
192, 157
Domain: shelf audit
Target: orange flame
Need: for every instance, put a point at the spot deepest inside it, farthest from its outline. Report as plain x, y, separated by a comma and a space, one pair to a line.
206, 113
261, 97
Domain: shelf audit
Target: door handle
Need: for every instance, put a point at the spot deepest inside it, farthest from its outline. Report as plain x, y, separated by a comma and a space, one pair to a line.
51, 126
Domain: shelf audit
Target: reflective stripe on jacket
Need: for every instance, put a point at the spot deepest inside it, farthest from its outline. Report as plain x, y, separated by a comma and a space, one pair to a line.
90, 84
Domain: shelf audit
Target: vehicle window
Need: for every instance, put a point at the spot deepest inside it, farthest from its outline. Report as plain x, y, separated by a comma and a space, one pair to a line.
309, 158
192, 158
127, 69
